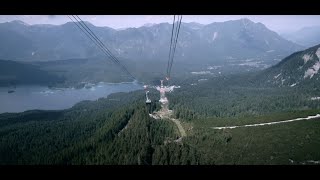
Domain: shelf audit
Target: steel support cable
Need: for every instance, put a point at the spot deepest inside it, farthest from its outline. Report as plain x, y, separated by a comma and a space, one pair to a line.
93, 39
172, 52
173, 35
174, 17
97, 39
174, 47
174, 27
103, 45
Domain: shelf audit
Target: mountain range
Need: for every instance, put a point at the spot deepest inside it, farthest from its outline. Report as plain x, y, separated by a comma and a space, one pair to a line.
219, 41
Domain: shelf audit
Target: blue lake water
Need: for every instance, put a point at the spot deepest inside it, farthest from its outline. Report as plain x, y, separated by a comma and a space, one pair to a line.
40, 97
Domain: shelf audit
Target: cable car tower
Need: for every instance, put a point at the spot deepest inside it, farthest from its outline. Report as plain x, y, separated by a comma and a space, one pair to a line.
163, 99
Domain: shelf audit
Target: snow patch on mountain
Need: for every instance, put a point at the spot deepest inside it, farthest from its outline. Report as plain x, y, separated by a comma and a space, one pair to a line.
215, 35
318, 53
275, 77
292, 85
313, 70
306, 57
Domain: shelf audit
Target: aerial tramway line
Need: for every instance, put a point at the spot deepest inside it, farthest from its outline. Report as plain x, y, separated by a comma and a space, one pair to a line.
173, 43
163, 89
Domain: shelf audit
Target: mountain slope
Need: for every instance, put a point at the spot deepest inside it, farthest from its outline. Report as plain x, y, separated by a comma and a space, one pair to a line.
300, 68
16, 73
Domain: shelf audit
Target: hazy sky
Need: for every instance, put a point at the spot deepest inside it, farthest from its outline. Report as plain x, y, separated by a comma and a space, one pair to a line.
278, 23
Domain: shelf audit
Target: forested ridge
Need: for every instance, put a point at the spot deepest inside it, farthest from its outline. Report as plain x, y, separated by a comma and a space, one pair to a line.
118, 129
